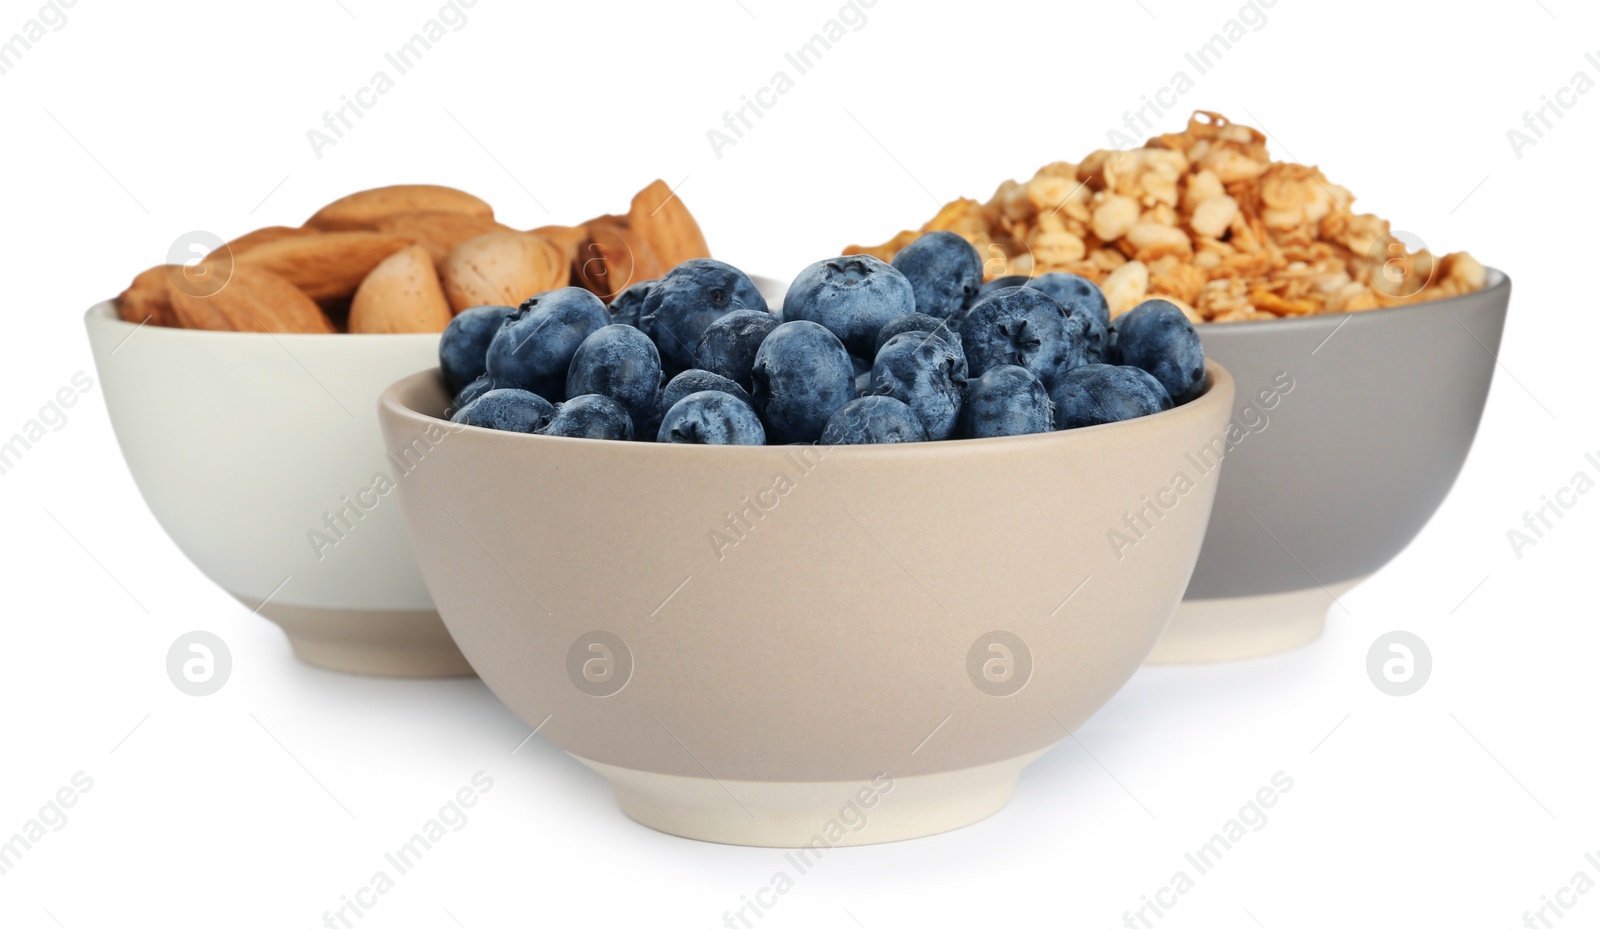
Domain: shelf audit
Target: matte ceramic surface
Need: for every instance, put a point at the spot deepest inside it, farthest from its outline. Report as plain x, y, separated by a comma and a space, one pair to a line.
691, 621
395, 643
1232, 628
1330, 479
260, 455
821, 814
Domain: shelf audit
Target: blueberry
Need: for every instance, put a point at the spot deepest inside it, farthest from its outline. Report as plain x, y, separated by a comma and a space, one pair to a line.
925, 374
620, 362
682, 385
711, 417
1019, 326
863, 383
945, 272
917, 322
465, 341
940, 330
873, 420
853, 296
509, 409
695, 380
683, 303
1010, 280
1156, 336
802, 376
1088, 333
590, 416
535, 346
1092, 394
1064, 288
482, 385
728, 346
1006, 400
1085, 305
627, 307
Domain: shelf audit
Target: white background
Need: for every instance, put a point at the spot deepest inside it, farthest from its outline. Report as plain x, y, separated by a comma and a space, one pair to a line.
261, 805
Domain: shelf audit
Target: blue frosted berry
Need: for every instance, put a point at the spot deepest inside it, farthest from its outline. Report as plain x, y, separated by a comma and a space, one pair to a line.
1019, 326
465, 342
682, 385
508, 409
620, 362
852, 296
728, 346
469, 393
1157, 337
590, 416
534, 348
711, 417
1066, 288
688, 299
1006, 400
627, 307
873, 420
802, 376
945, 272
1086, 309
918, 322
695, 380
999, 283
926, 374
1092, 394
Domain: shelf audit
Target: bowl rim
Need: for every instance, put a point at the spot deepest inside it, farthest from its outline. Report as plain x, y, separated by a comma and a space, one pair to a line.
1496, 281
104, 314
1216, 399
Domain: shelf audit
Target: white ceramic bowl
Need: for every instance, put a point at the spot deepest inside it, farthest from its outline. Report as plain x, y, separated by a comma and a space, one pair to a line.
261, 456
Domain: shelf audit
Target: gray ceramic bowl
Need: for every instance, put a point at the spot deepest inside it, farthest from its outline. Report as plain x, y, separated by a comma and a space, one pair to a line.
794, 645
1351, 429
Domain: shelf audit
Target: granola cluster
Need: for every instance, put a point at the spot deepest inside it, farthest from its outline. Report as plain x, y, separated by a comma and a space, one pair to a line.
1203, 218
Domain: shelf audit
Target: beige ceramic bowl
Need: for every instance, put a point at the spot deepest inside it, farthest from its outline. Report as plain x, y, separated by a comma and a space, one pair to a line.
794, 645
260, 456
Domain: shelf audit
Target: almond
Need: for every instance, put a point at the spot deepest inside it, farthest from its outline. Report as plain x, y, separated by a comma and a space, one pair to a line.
501, 268
364, 209
268, 234
566, 239
612, 257
146, 299
437, 232
326, 265
659, 217
615, 256
253, 300
402, 294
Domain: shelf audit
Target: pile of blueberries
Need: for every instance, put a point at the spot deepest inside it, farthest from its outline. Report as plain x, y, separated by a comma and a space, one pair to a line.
862, 352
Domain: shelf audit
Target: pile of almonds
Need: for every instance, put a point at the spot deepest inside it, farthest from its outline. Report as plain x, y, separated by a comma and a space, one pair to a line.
406, 259
1203, 218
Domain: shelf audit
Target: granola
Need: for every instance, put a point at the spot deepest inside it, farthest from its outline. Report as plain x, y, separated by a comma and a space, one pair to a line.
1206, 219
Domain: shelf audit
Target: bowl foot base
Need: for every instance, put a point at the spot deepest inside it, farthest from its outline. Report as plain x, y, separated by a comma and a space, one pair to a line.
389, 643
814, 815
1231, 628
